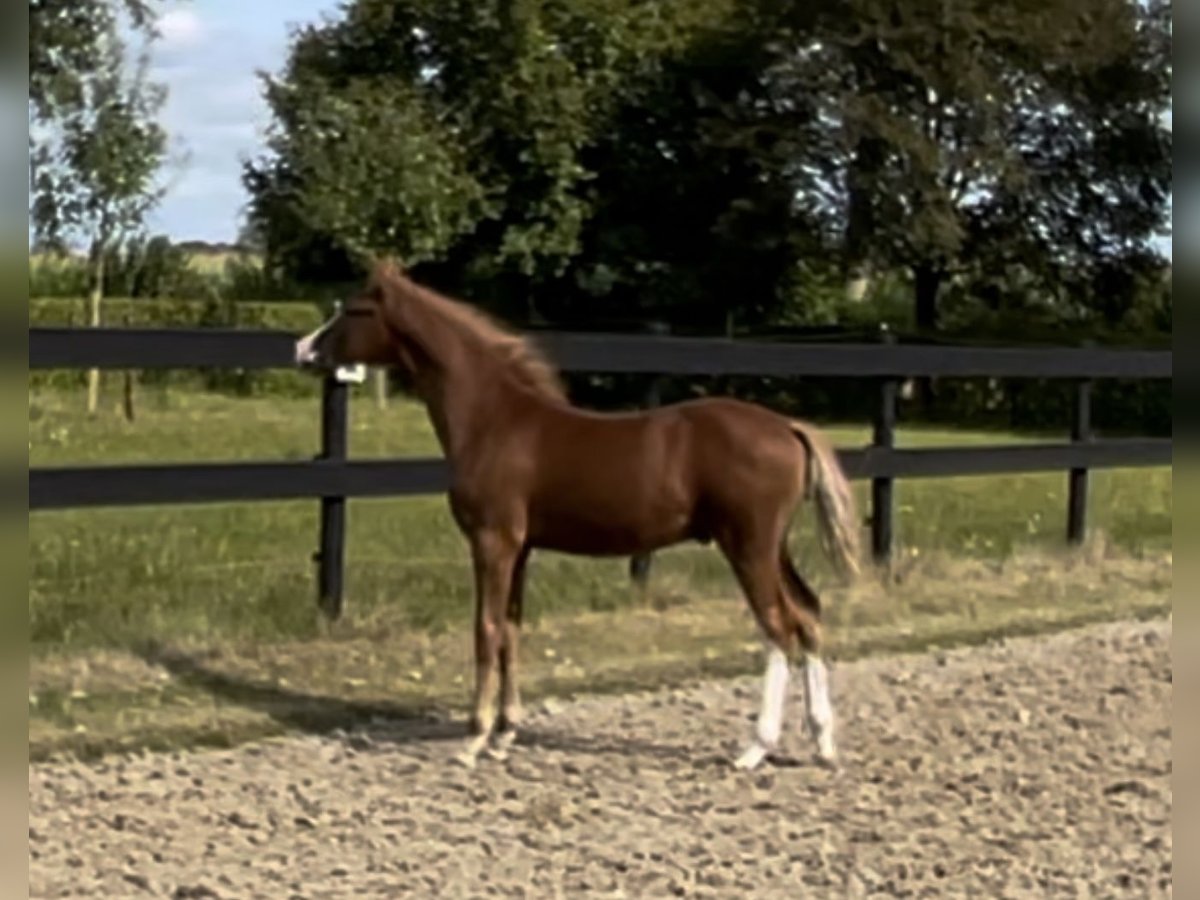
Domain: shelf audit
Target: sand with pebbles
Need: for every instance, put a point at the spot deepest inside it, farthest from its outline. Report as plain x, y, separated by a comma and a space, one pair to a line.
1039, 767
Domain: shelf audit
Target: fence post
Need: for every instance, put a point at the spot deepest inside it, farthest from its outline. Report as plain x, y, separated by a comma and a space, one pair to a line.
639, 566
380, 376
1077, 484
331, 556
884, 437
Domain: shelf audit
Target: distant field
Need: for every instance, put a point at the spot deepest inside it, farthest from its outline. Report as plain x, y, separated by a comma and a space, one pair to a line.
208, 263
214, 263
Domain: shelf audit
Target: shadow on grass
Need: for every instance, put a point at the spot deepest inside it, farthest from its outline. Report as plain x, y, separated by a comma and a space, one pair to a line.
404, 722
396, 723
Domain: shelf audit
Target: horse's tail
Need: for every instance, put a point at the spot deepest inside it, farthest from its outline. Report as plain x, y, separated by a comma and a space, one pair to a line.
837, 517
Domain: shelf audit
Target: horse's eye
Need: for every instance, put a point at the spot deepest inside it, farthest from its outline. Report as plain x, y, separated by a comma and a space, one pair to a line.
359, 311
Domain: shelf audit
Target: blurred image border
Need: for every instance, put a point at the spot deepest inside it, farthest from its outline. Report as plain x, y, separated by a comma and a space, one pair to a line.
1186, 628
14, 631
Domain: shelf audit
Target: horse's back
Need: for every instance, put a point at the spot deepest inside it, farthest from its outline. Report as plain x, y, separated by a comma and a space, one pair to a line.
616, 483
743, 454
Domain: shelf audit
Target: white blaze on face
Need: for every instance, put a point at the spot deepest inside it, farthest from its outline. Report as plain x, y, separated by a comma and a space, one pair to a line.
306, 352
306, 355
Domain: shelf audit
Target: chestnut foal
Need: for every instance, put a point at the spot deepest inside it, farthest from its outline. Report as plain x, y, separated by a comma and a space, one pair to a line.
529, 470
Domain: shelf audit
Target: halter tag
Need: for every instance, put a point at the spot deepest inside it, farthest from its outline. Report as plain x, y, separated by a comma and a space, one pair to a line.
355, 374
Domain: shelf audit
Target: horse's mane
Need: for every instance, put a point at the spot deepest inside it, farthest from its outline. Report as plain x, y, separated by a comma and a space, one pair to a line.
525, 361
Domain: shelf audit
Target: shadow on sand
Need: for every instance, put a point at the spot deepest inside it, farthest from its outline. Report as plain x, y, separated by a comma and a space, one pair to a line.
401, 723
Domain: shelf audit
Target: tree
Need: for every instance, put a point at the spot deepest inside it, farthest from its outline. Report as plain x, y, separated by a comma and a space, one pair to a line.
95, 181
700, 216
1020, 141
369, 168
457, 134
601, 159
67, 42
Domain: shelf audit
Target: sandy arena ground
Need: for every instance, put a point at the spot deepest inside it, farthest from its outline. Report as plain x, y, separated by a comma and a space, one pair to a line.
1039, 768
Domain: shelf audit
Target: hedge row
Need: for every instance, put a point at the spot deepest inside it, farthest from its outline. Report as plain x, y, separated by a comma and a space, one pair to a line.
123, 312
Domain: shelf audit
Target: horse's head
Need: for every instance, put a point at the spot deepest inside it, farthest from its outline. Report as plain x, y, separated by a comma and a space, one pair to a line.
358, 332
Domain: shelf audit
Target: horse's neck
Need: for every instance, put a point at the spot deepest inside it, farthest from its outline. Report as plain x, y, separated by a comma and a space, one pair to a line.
445, 385
457, 391
462, 404
461, 390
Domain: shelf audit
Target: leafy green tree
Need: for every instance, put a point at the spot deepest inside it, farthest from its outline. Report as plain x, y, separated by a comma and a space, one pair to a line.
456, 134
717, 163
154, 268
369, 165
699, 216
68, 41
979, 141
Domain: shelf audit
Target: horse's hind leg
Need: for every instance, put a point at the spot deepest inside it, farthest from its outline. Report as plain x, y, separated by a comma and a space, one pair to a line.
759, 579
804, 608
800, 590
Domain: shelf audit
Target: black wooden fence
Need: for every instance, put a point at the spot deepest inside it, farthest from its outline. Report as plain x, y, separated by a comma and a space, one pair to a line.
333, 477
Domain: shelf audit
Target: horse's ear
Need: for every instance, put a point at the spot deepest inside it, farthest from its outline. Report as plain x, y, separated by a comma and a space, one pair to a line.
387, 267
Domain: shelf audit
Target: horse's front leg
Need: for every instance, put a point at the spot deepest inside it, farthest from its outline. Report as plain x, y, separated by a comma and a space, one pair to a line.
510, 691
495, 554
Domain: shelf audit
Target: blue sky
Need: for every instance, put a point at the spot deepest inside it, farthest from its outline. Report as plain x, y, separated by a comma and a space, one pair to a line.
208, 56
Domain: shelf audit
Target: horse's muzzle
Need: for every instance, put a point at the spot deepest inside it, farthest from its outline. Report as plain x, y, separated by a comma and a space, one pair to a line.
308, 350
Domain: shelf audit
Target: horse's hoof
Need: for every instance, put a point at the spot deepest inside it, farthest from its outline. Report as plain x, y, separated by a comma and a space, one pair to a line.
827, 754
498, 749
466, 758
751, 757
469, 755
827, 758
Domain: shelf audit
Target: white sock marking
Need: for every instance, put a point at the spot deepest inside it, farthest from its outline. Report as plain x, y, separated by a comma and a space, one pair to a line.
751, 756
770, 716
820, 710
775, 683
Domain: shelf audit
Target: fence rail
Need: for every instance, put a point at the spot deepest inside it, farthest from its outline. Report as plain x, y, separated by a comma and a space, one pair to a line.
332, 478
66, 487
149, 348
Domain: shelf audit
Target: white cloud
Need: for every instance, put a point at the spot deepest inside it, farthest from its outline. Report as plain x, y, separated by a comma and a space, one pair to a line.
181, 28
208, 54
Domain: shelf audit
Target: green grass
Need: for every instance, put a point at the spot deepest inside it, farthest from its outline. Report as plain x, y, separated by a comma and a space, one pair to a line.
243, 572
168, 626
166, 697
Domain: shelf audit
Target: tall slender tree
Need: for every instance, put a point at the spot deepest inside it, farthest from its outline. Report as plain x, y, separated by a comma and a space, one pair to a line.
95, 174
67, 42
